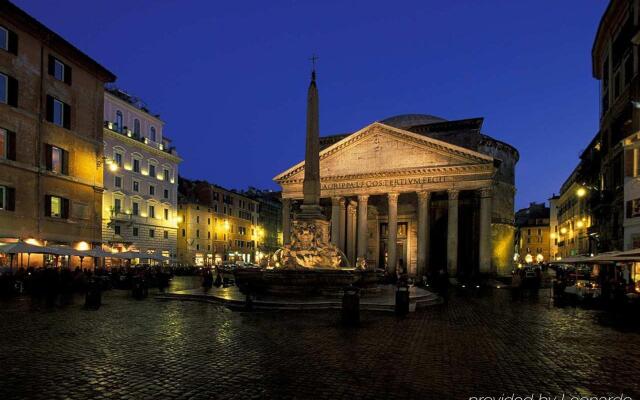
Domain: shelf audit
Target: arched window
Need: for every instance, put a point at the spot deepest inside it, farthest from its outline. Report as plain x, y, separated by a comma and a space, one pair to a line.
136, 126
152, 133
118, 124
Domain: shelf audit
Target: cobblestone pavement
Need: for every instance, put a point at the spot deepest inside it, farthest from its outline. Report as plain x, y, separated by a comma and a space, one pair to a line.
186, 350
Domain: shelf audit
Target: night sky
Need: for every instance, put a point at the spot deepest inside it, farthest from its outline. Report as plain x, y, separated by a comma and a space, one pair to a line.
229, 78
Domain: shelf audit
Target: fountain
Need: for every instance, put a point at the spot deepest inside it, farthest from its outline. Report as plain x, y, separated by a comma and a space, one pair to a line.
309, 264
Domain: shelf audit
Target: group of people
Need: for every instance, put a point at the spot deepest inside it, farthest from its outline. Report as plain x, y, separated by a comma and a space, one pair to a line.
58, 285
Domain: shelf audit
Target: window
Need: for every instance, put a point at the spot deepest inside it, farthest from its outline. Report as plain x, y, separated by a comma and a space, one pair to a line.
152, 233
118, 181
118, 159
118, 122
166, 174
136, 186
152, 190
8, 90
152, 133
166, 234
59, 70
7, 144
152, 170
152, 212
135, 231
7, 198
208, 221
116, 229
136, 165
56, 207
136, 127
117, 205
57, 160
58, 112
136, 208
183, 232
208, 235
197, 233
166, 193
166, 214
4, 38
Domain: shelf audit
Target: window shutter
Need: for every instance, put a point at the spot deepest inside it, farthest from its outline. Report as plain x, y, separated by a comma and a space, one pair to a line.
13, 91
48, 157
65, 208
11, 145
49, 108
52, 65
65, 162
11, 199
628, 163
13, 43
66, 119
47, 205
67, 74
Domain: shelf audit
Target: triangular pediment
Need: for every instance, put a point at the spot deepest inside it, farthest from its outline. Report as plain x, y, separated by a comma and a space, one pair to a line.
380, 148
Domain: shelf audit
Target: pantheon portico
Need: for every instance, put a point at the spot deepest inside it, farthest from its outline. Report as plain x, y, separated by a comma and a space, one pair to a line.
415, 192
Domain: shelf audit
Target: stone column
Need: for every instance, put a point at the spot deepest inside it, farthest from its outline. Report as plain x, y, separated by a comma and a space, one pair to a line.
335, 221
392, 233
485, 231
423, 233
351, 231
342, 224
363, 236
452, 234
286, 221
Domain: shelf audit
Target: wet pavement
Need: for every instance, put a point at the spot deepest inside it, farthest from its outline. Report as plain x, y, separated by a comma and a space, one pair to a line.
186, 350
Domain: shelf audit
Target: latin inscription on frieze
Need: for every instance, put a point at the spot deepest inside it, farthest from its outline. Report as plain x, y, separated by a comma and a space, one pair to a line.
386, 182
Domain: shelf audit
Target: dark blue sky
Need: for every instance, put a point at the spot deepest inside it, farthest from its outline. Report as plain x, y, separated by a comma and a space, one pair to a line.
229, 78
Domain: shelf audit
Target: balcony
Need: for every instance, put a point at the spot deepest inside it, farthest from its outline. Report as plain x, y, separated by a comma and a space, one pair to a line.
130, 134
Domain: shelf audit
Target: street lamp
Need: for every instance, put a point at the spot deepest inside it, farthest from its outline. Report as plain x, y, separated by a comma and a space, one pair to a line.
581, 192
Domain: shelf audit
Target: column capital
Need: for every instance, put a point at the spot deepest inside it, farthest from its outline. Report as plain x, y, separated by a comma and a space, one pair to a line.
423, 195
336, 200
393, 197
286, 200
363, 198
453, 194
485, 192
352, 207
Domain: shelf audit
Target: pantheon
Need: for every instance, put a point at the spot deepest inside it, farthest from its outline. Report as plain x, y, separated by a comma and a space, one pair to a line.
416, 192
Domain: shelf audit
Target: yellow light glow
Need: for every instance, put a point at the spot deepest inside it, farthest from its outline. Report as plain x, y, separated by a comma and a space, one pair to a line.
144, 172
113, 167
539, 258
179, 219
563, 230
160, 177
581, 192
579, 224
553, 235
144, 215
83, 246
528, 258
33, 242
127, 167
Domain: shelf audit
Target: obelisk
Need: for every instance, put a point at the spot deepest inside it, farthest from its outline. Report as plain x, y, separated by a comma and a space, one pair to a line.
310, 208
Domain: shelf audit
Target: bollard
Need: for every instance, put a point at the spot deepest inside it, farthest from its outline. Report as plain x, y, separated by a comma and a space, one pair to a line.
93, 298
351, 306
402, 300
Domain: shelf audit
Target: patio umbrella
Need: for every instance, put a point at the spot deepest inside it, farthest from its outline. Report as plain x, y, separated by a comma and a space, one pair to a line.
20, 247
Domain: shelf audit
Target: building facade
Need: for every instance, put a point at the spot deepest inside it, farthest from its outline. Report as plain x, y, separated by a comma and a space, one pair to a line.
615, 65
533, 234
553, 227
216, 225
140, 199
574, 218
269, 218
416, 192
51, 105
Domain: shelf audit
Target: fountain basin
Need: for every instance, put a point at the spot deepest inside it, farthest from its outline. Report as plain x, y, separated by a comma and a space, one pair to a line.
303, 282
